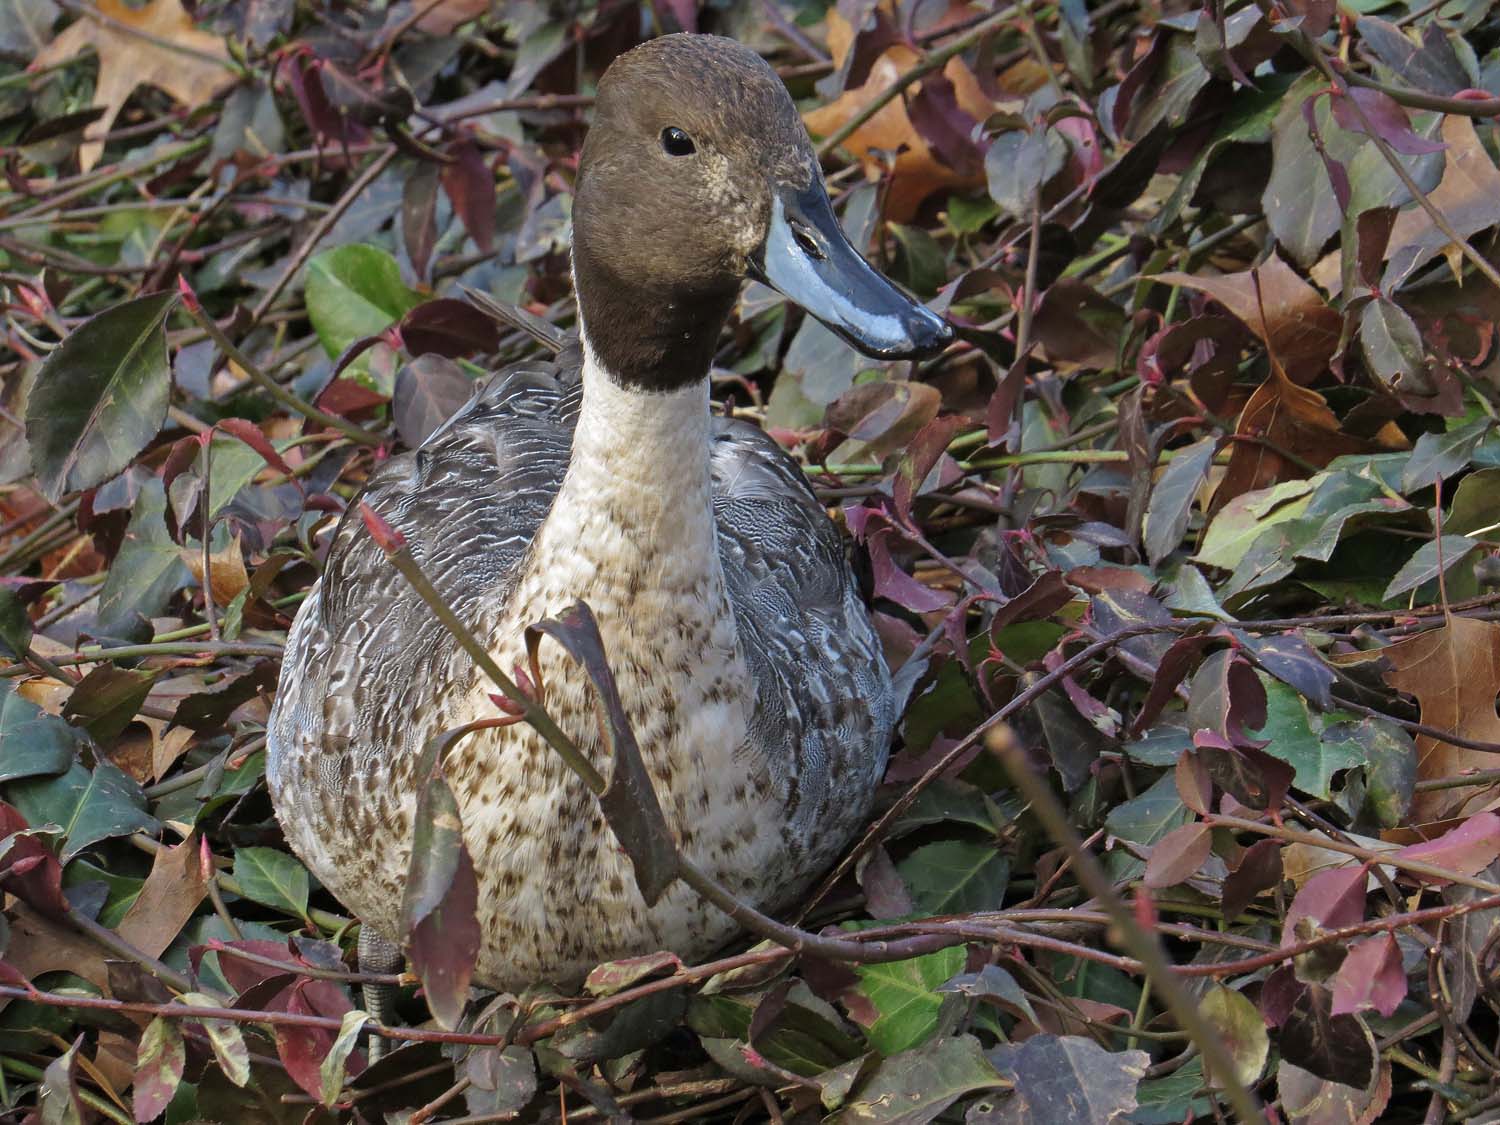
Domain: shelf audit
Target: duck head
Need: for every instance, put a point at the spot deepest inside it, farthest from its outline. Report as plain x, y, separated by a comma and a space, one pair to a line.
696, 174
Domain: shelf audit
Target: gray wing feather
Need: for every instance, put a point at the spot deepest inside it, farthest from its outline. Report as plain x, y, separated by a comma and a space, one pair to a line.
824, 709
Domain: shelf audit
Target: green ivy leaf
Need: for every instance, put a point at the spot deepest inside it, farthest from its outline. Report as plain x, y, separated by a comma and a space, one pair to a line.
919, 1085
101, 396
272, 878
355, 291
32, 742
89, 805
956, 876
905, 998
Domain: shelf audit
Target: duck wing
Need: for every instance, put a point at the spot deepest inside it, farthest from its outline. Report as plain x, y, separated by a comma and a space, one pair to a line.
824, 710
363, 657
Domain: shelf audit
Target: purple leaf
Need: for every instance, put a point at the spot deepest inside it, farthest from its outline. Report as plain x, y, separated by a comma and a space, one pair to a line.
1385, 117
1370, 977
429, 390
449, 328
894, 583
470, 187
419, 230
1333, 899
438, 909
1466, 850
948, 130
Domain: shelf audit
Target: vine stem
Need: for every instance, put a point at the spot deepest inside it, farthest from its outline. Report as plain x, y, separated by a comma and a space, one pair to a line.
1145, 945
285, 397
315, 236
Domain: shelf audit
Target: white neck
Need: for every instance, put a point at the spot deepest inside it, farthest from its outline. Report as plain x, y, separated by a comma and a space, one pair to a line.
635, 506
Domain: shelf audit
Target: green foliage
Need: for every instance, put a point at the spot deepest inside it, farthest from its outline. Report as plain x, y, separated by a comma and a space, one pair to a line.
1198, 521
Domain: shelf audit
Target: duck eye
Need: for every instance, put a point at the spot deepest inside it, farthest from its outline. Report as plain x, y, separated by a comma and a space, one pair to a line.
677, 143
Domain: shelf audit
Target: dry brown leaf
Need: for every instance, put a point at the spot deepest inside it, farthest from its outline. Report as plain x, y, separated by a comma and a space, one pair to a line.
1454, 672
442, 17
1468, 195
171, 893
1294, 419
186, 69
1299, 327
115, 1059
168, 749
226, 566
39, 945
917, 171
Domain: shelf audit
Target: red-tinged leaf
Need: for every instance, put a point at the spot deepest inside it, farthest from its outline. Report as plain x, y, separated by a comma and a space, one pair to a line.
1386, 118
948, 130
1174, 665
240, 973
1370, 977
920, 457
438, 909
894, 583
303, 1049
1259, 870
28, 868
449, 328
386, 537
1338, 175
160, 1059
183, 453
470, 186
304, 72
1227, 698
1333, 899
349, 396
1465, 850
419, 230
614, 976
1178, 855
1194, 785
251, 434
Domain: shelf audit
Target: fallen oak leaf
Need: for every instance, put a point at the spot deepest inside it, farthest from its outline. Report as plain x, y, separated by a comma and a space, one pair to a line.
1454, 673
156, 45
917, 170
1297, 428
1291, 318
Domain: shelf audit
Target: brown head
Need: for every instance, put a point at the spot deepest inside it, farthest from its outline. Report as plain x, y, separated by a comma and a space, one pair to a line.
696, 173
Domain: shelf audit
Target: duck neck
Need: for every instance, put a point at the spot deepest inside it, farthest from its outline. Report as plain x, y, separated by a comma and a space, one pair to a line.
639, 475
647, 337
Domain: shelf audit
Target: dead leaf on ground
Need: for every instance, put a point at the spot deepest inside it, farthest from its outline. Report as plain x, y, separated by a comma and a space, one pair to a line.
918, 171
1297, 420
1299, 327
167, 900
1454, 672
126, 60
227, 567
39, 945
1468, 196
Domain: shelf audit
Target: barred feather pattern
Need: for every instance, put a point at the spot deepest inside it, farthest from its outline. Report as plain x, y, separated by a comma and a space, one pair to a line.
744, 655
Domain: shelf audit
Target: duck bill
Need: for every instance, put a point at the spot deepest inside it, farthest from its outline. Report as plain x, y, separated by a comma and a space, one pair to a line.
807, 259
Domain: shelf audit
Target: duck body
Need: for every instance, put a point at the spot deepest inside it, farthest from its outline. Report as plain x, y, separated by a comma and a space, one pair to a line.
745, 659
751, 675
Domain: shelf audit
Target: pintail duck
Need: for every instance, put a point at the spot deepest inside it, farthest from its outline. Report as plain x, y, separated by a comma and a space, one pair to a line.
743, 653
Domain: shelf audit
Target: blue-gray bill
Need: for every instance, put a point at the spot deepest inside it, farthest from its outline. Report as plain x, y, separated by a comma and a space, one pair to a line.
807, 259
